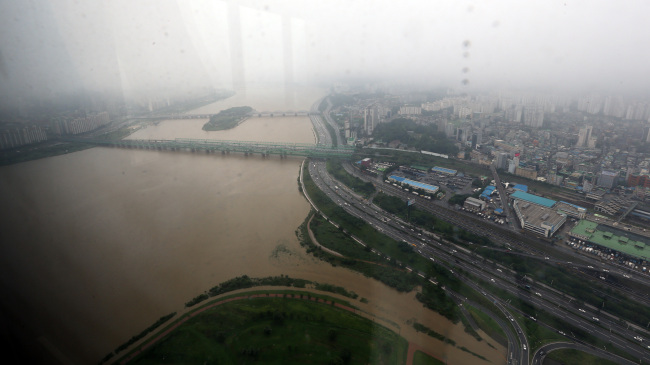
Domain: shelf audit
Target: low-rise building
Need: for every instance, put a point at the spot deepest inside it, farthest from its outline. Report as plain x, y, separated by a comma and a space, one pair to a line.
571, 210
445, 171
541, 220
474, 205
414, 184
526, 172
626, 242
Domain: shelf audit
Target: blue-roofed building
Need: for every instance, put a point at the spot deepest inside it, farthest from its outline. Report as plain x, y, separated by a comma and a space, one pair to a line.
487, 192
443, 170
498, 211
544, 202
521, 187
415, 184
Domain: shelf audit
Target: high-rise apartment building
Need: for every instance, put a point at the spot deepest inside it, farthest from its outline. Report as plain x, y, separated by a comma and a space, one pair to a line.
584, 135
534, 116
502, 161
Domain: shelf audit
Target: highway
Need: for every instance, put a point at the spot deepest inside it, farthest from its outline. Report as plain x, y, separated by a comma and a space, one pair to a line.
452, 256
538, 357
541, 296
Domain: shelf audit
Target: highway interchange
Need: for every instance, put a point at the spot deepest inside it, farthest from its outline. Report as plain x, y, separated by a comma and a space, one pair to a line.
605, 327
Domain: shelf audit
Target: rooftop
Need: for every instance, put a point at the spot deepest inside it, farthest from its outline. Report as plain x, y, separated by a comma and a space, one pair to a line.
414, 183
533, 199
615, 239
536, 215
445, 170
572, 208
521, 187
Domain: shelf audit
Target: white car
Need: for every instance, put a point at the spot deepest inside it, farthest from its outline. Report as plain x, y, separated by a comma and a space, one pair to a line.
640, 339
595, 319
538, 294
582, 310
525, 348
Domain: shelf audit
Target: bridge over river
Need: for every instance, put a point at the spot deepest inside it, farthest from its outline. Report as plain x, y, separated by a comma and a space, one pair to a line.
254, 113
225, 147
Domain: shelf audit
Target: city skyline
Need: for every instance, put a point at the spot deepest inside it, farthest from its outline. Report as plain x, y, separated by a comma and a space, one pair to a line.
162, 48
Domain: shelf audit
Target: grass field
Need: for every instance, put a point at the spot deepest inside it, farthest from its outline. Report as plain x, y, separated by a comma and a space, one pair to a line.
569, 356
277, 331
420, 358
488, 325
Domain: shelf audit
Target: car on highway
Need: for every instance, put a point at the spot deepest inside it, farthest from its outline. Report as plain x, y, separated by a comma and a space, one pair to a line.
638, 338
595, 319
582, 310
538, 294
492, 280
525, 347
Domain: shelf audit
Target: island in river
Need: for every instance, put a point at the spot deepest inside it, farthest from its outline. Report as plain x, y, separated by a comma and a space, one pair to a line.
227, 119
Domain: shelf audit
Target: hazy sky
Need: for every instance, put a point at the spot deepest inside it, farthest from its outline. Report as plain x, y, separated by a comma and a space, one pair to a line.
163, 47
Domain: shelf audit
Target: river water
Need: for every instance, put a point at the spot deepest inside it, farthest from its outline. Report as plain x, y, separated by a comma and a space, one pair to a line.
97, 245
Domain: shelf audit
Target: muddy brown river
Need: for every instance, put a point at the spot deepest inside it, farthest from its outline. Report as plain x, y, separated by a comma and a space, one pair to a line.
97, 245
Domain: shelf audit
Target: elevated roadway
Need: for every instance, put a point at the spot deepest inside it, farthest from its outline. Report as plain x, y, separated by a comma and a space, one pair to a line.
545, 298
213, 146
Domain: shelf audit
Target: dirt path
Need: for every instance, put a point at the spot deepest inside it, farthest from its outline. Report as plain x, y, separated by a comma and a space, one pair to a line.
313, 239
190, 315
411, 353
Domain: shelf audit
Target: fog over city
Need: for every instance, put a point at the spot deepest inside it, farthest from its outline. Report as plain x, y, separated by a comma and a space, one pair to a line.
325, 181
163, 47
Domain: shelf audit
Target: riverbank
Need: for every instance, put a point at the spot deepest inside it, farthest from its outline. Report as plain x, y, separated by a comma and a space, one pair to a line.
275, 324
56, 148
